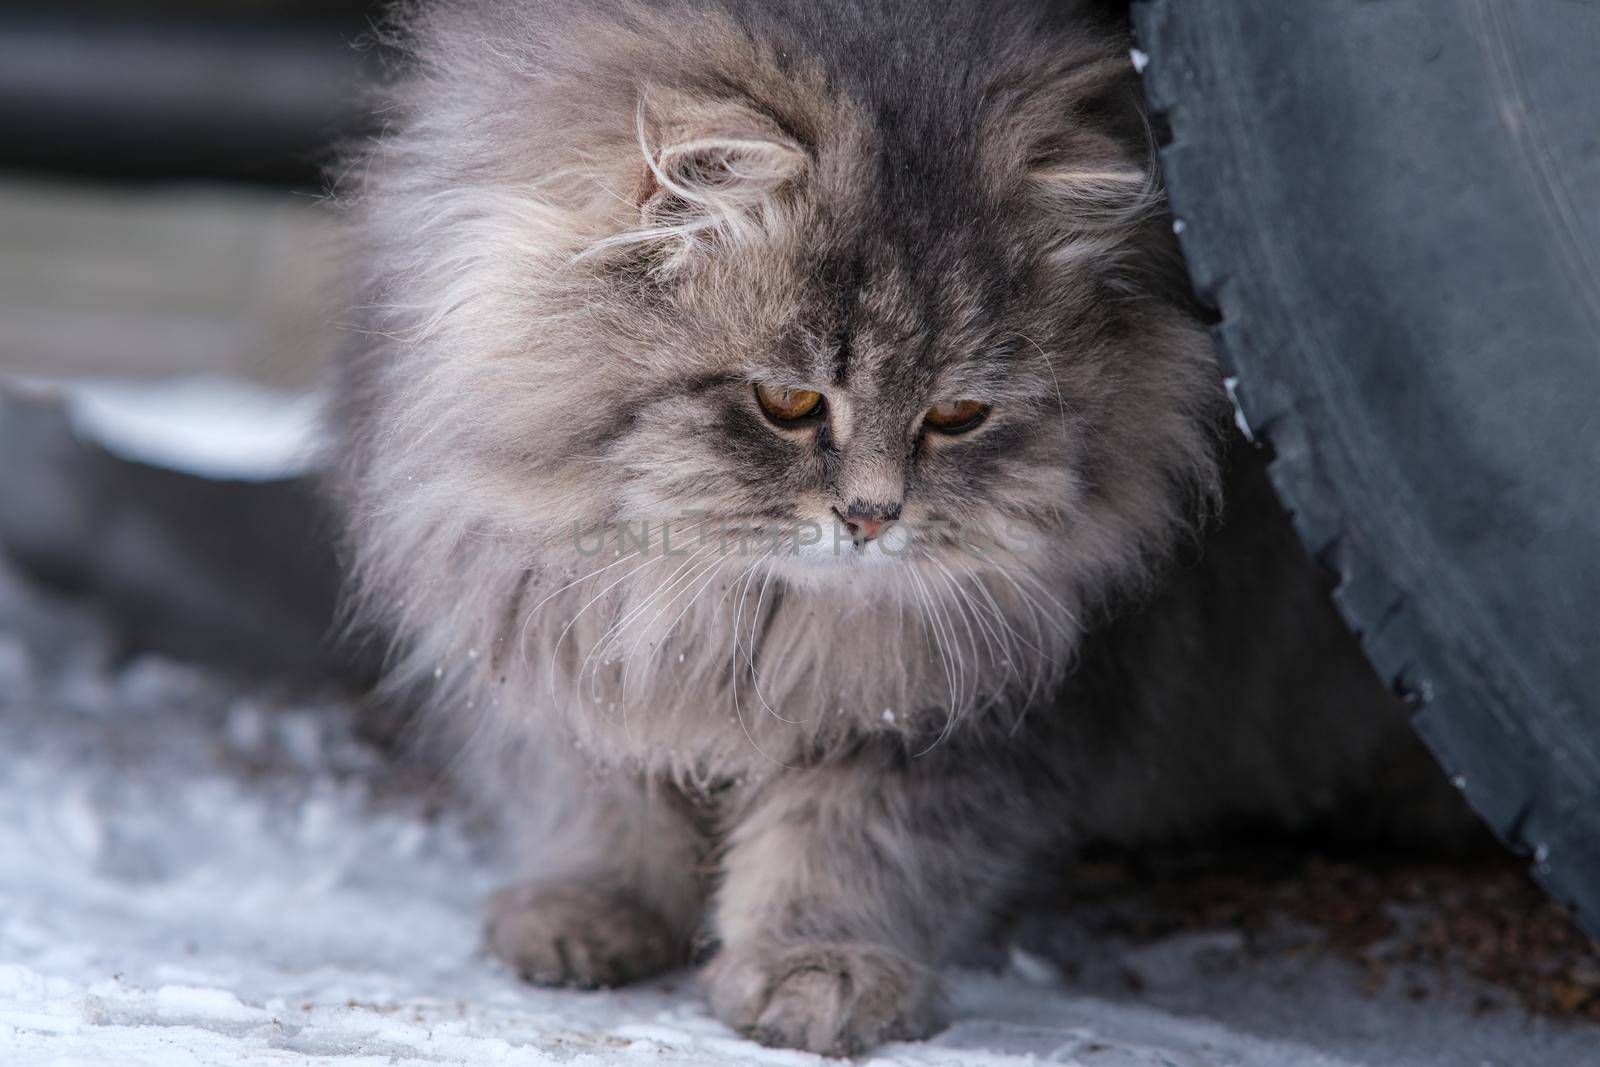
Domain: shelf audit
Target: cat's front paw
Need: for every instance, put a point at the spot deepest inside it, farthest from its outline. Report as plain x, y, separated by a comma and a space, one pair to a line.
570, 935
833, 998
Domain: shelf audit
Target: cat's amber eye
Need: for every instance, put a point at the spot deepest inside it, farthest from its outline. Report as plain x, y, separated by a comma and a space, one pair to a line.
957, 416
788, 405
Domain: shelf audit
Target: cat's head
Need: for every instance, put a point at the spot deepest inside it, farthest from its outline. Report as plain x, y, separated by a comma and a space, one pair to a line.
864, 301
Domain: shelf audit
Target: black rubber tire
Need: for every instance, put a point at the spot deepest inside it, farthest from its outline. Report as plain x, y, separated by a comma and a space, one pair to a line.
1395, 209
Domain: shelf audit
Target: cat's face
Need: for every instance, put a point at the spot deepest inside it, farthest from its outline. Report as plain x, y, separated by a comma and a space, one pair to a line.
864, 396
707, 297
870, 358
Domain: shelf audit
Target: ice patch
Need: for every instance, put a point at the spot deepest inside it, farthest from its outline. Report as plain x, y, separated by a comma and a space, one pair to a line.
1035, 969
211, 427
189, 1002
1232, 385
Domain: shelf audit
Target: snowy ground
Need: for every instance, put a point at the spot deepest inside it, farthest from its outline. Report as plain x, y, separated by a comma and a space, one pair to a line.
193, 872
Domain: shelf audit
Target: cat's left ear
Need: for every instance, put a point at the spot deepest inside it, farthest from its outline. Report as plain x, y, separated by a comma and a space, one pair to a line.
1085, 148
1096, 196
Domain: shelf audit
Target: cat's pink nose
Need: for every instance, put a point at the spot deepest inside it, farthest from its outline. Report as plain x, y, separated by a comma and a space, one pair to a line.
864, 525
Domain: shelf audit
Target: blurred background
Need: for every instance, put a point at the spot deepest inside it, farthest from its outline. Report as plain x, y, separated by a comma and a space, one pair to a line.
168, 306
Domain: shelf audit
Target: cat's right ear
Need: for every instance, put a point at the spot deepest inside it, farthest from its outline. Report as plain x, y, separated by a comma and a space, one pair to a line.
717, 180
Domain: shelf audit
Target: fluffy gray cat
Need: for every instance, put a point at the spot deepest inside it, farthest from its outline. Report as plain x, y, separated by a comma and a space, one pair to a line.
766, 414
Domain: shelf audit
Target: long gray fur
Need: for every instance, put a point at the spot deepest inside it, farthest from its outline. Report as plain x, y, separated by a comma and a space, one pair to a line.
591, 229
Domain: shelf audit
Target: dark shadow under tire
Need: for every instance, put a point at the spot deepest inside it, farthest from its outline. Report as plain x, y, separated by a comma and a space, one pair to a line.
1395, 208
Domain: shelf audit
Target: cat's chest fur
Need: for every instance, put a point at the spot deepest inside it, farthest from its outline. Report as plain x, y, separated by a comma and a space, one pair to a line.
738, 674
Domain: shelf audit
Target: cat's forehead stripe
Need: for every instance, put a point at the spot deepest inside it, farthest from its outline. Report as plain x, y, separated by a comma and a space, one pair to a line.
845, 275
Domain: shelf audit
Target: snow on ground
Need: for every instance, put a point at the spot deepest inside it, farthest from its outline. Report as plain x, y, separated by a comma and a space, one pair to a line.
196, 872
